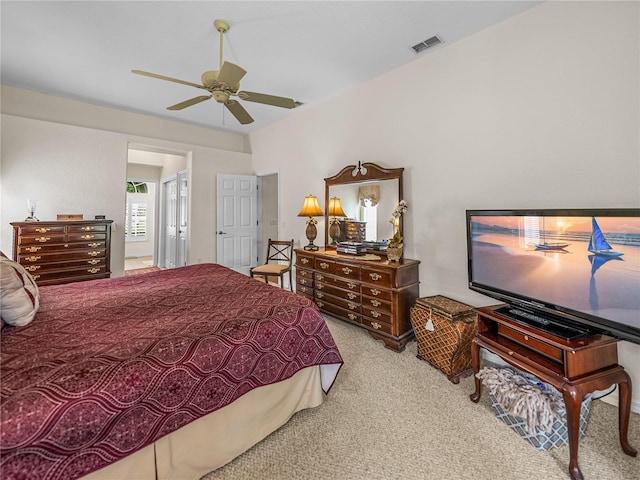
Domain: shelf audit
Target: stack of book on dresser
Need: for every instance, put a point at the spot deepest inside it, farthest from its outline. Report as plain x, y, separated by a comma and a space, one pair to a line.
351, 248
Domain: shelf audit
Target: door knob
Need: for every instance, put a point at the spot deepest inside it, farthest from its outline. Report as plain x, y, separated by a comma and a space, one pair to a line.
222, 233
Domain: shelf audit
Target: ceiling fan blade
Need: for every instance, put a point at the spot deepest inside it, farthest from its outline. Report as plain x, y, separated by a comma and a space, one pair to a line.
231, 74
239, 112
170, 79
188, 103
267, 99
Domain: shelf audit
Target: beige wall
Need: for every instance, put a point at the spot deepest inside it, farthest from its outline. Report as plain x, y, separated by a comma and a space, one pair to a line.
71, 168
541, 110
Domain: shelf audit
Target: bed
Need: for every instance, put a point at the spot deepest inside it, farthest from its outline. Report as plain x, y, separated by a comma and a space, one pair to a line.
168, 374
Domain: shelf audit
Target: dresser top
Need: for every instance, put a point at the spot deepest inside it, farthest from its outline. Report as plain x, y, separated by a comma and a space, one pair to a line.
331, 254
60, 222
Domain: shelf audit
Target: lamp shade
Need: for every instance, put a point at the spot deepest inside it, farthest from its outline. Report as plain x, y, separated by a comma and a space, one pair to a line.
311, 207
335, 208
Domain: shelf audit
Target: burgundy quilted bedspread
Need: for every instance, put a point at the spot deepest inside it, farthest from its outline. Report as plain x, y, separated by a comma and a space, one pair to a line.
109, 366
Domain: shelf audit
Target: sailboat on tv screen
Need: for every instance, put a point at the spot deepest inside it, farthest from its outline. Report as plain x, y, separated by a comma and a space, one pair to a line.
598, 245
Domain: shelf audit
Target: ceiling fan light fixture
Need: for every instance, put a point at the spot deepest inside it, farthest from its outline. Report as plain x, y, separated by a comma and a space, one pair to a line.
220, 96
209, 78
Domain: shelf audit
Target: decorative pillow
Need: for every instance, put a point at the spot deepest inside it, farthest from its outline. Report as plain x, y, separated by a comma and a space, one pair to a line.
19, 295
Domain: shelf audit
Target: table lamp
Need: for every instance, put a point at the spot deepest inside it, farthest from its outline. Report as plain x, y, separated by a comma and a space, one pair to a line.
335, 210
311, 208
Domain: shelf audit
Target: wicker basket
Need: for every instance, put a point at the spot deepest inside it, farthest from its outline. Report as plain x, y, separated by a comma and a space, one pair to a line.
444, 329
541, 440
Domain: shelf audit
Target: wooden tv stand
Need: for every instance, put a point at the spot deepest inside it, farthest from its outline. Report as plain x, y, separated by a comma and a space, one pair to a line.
574, 367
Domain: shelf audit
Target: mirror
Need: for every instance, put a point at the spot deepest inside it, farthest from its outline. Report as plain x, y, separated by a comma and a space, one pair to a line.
379, 184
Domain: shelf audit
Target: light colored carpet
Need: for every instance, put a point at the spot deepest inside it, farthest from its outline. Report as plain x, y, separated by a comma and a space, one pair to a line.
392, 416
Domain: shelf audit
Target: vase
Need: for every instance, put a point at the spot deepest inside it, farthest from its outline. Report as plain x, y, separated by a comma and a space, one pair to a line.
394, 254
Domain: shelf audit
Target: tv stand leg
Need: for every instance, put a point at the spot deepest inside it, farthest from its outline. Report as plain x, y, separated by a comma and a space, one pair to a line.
573, 403
624, 408
475, 360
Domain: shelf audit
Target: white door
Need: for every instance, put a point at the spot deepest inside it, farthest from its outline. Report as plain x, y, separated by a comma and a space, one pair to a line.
183, 219
175, 197
170, 201
237, 222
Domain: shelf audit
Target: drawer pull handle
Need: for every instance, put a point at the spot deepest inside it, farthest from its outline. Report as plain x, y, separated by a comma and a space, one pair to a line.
375, 303
375, 276
93, 270
320, 287
42, 230
375, 314
347, 270
324, 266
376, 325
352, 306
93, 253
32, 258
320, 304
35, 277
42, 239
33, 249
510, 352
303, 273
87, 237
319, 277
303, 281
303, 289
375, 292
351, 295
93, 244
304, 260
32, 268
87, 229
352, 285
320, 295
352, 316
526, 337
93, 261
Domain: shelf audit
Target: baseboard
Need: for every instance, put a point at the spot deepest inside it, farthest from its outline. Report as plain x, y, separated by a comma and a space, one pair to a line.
613, 398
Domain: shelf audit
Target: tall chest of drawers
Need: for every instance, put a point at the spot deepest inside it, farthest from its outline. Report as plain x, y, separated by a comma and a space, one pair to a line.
374, 295
63, 251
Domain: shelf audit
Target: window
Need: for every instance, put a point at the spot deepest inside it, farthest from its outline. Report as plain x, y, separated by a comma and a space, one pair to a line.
135, 225
137, 187
370, 215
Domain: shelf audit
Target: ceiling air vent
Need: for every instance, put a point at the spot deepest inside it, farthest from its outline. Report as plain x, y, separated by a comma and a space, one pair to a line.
428, 43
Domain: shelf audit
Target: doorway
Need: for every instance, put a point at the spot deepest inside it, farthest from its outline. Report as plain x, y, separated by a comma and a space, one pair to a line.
140, 224
268, 212
155, 166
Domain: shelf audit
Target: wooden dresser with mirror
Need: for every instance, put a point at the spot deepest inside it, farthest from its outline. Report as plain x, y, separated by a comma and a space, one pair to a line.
365, 290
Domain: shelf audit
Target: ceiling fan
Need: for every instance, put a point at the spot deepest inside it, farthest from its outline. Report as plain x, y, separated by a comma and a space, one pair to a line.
224, 84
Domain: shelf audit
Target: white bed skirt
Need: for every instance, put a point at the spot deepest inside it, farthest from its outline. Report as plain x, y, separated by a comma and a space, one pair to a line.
212, 441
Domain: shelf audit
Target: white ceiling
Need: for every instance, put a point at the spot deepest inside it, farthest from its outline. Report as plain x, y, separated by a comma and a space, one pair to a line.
305, 50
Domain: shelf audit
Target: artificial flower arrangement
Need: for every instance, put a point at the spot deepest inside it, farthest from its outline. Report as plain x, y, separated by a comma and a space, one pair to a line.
396, 240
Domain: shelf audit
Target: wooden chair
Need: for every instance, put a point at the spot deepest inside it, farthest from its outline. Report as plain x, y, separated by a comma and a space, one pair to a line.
279, 260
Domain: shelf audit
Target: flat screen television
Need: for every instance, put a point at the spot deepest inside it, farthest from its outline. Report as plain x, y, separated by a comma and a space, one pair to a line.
569, 272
